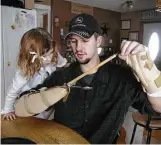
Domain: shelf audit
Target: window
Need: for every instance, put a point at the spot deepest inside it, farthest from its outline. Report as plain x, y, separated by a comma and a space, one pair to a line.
153, 45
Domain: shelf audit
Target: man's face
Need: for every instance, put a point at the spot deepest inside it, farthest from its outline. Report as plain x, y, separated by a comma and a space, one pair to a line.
83, 49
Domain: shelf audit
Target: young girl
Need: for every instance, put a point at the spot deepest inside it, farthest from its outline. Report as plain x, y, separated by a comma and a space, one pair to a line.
37, 59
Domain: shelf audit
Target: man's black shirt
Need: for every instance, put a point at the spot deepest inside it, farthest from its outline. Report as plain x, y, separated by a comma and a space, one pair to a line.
98, 114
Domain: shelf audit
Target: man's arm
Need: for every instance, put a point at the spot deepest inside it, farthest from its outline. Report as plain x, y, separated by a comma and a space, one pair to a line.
143, 105
149, 76
138, 58
139, 98
40, 98
156, 103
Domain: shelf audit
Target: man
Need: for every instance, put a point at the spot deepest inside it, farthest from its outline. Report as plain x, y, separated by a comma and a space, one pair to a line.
98, 113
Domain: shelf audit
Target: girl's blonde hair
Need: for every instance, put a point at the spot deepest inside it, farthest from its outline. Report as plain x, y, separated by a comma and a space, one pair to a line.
39, 41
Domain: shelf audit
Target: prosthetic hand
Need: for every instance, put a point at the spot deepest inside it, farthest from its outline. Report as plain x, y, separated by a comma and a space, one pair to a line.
146, 72
34, 103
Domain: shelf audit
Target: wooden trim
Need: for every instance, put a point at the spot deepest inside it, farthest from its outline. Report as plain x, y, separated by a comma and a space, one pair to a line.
52, 18
29, 4
48, 12
141, 33
80, 8
45, 21
43, 7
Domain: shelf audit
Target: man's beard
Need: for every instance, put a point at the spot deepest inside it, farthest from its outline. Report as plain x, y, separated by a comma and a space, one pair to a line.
84, 61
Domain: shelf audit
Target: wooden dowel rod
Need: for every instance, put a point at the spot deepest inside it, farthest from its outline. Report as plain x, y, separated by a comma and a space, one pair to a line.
72, 82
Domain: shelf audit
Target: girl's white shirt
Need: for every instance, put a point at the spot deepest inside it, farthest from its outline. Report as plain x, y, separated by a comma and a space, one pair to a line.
21, 84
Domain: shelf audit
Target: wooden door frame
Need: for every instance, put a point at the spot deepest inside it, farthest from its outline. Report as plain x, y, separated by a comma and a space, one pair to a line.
48, 9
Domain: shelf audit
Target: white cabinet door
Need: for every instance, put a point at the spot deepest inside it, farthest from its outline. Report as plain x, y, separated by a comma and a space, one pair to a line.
10, 43
10, 47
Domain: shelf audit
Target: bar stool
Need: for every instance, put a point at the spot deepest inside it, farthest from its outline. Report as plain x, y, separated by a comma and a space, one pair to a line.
148, 122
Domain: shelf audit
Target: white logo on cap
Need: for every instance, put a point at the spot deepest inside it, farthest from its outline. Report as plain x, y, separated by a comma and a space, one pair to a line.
79, 20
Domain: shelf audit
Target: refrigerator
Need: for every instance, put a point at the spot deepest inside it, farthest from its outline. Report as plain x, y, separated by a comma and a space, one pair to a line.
14, 23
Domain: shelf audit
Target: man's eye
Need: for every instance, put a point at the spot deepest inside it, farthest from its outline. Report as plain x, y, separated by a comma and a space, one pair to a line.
73, 41
84, 40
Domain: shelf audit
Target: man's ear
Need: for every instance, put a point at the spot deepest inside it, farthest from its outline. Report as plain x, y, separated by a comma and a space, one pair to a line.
99, 41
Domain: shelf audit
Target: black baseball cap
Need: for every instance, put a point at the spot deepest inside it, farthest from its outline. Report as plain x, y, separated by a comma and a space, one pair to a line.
84, 25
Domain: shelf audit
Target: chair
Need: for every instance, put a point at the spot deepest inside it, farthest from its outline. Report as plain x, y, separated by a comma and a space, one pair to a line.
122, 136
148, 122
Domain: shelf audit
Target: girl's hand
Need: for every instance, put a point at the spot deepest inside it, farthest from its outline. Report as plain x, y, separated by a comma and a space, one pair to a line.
9, 116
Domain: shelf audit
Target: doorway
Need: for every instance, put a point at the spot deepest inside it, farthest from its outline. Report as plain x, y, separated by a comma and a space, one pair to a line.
43, 16
152, 39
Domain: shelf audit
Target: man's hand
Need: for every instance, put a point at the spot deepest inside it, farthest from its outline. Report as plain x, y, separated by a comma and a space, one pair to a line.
131, 47
138, 58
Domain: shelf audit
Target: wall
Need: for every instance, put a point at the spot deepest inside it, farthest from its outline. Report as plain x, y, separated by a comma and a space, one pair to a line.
29, 4
62, 9
114, 21
137, 21
64, 14
135, 18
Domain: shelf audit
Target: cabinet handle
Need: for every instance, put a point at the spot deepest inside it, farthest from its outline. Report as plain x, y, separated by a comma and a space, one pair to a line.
9, 63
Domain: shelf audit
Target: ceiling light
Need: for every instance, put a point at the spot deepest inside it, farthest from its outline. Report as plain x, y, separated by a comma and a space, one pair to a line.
130, 4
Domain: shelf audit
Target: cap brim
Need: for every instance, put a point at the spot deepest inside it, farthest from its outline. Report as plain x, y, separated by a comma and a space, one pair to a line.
81, 33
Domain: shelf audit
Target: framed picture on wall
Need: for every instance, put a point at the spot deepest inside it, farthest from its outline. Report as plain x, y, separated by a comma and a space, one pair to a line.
124, 39
125, 24
134, 35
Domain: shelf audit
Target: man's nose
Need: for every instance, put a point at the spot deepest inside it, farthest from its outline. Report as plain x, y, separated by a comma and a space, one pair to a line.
79, 45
